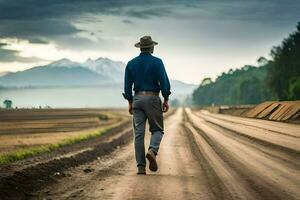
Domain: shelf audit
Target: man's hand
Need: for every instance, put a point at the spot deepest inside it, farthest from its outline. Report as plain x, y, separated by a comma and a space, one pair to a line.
130, 108
165, 106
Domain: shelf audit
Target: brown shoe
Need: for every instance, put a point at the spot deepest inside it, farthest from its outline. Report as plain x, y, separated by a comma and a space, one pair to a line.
152, 160
141, 170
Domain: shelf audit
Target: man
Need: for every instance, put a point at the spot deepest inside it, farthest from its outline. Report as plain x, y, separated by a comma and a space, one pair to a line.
148, 75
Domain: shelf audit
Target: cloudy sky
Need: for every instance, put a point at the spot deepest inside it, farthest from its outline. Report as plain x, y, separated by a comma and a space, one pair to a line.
196, 38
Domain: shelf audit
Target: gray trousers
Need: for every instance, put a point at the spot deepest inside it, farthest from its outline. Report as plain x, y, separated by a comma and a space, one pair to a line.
146, 108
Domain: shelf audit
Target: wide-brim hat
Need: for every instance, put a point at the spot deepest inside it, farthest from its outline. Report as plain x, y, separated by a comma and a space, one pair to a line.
145, 42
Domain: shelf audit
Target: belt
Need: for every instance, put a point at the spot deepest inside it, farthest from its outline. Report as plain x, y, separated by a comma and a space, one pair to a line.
148, 93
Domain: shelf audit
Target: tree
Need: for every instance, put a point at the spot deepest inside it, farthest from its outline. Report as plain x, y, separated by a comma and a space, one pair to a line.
262, 61
241, 86
285, 67
250, 91
294, 88
7, 103
206, 81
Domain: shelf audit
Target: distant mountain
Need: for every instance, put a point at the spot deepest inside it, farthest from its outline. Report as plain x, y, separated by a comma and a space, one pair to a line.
106, 67
53, 76
64, 63
181, 87
4, 73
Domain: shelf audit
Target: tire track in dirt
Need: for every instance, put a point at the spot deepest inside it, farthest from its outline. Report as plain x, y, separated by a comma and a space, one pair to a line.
286, 157
269, 178
274, 138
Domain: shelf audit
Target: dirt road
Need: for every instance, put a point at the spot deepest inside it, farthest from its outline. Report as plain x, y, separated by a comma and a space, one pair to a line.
202, 156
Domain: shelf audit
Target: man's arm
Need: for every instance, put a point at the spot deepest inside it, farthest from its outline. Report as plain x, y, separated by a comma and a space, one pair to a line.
128, 82
164, 86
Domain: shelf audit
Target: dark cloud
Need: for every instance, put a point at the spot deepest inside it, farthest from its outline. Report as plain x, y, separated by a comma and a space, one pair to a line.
70, 9
255, 10
37, 9
36, 28
44, 21
7, 55
146, 13
37, 41
2, 44
127, 21
37, 31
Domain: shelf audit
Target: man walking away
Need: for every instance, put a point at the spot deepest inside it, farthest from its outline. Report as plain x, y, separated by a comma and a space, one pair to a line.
148, 76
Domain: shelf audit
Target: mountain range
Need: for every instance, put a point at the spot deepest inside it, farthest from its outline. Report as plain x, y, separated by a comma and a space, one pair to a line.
4, 73
66, 73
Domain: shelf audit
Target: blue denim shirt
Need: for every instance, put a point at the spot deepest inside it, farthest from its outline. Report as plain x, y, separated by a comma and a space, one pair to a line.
146, 73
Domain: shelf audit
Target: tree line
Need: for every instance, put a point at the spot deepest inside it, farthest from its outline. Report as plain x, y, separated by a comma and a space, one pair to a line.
274, 79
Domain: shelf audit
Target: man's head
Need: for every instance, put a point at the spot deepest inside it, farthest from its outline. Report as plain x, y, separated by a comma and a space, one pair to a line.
149, 50
146, 44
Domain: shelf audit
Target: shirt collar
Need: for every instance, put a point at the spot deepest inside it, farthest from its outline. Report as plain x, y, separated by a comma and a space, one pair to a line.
145, 53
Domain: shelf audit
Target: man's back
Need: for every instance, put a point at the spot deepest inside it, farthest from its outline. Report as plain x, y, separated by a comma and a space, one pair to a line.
146, 73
